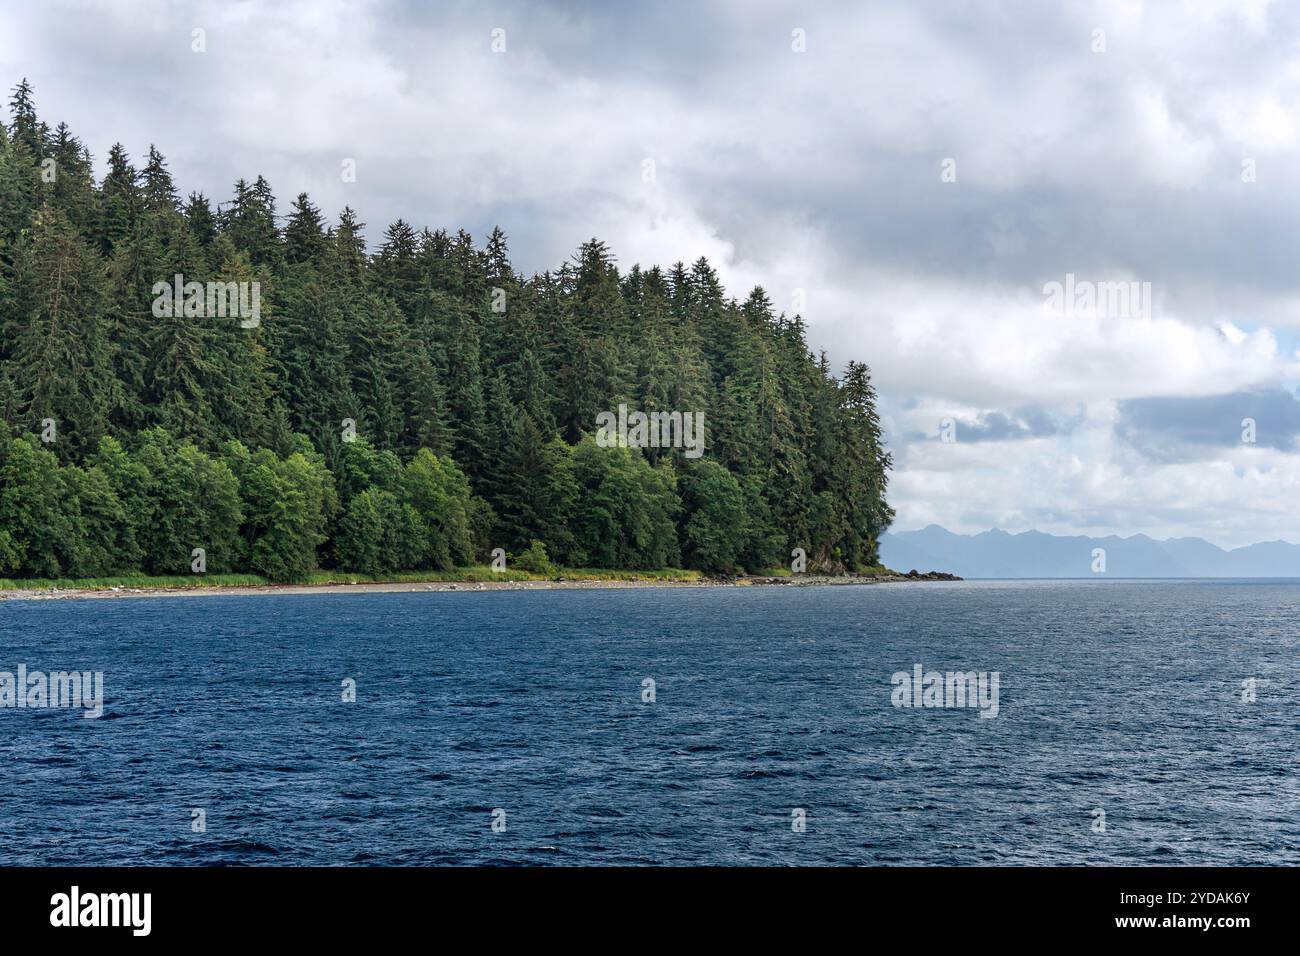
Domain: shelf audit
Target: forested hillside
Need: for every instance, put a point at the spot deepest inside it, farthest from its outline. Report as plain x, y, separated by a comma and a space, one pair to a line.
410, 408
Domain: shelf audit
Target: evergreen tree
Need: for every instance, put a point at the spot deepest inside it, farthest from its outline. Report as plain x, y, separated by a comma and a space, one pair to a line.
119, 201
202, 223
157, 191
304, 236
62, 364
26, 129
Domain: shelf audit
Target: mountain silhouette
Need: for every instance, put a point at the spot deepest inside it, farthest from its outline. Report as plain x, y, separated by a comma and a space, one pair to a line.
1033, 554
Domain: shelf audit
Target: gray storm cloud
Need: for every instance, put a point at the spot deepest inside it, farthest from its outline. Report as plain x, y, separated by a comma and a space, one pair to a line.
1169, 155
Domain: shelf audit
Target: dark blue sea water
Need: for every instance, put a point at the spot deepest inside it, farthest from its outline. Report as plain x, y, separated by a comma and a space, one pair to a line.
1123, 696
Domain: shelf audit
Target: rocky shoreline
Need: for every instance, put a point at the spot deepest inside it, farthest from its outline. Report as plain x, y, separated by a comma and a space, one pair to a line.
557, 584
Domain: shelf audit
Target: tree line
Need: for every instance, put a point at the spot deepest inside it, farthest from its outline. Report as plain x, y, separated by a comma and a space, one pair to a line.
415, 407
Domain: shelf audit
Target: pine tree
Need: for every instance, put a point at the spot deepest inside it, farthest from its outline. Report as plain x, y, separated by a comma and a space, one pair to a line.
62, 361
119, 201
157, 191
304, 236
202, 223
72, 190
26, 129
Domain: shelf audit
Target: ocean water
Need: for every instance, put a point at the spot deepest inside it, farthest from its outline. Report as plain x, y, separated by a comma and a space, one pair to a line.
1124, 697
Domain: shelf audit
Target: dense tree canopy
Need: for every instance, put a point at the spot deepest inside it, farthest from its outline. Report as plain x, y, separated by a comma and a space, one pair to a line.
410, 408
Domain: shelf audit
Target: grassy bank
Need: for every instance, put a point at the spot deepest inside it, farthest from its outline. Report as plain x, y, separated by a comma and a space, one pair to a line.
480, 573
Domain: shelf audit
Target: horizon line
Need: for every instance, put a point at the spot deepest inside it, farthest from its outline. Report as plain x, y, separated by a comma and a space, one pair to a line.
1113, 534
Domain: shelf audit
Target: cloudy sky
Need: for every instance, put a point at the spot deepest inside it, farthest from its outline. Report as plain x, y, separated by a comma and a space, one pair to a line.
917, 173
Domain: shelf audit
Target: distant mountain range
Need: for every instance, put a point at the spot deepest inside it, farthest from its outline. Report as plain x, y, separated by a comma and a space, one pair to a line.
1033, 554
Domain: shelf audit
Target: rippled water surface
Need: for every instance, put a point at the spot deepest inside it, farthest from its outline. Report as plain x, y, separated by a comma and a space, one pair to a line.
1124, 696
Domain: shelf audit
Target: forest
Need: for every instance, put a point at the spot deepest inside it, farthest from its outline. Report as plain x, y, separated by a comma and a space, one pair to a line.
403, 404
